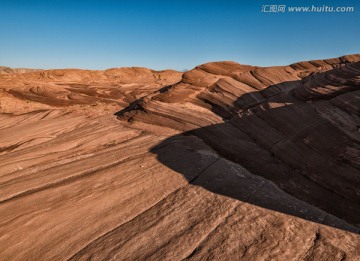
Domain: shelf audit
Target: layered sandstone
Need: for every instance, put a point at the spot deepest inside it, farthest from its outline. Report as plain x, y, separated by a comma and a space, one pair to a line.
223, 162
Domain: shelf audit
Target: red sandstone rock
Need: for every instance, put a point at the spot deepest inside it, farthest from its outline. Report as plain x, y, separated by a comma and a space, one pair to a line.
223, 162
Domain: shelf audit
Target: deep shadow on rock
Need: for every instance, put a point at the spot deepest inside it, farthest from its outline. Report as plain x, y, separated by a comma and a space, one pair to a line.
210, 158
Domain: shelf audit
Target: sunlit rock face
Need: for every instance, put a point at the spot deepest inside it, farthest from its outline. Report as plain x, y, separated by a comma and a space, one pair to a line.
222, 162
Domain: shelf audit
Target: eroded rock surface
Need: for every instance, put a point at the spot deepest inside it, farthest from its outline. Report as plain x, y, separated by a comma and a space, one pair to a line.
223, 162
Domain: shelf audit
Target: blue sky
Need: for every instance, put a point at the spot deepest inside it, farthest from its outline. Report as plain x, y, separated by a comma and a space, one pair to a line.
170, 34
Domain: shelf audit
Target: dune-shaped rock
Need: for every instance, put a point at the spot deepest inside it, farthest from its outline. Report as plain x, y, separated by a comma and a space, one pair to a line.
225, 162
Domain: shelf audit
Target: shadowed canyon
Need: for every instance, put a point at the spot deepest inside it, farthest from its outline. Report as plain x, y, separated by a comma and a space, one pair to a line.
222, 162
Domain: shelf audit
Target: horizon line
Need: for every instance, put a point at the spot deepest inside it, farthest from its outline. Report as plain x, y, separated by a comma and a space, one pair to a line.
171, 69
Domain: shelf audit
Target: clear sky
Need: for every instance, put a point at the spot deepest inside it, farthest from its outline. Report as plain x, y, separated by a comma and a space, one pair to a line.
177, 34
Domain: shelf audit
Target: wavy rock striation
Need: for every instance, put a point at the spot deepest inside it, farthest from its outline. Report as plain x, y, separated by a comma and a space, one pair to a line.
224, 162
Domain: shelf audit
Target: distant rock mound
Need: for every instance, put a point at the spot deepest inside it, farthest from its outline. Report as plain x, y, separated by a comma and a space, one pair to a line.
9, 70
66, 87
